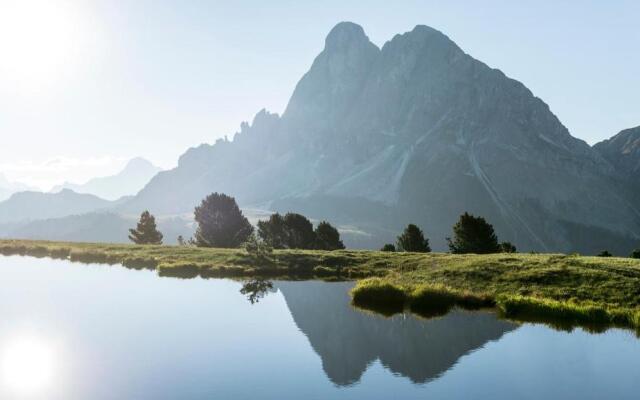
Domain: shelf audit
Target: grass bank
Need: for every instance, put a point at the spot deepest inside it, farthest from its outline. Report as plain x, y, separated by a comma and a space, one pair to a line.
567, 289
562, 290
189, 262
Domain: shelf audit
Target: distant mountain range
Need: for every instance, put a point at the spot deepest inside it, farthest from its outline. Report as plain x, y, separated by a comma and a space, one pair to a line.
101, 226
30, 206
127, 182
7, 188
416, 131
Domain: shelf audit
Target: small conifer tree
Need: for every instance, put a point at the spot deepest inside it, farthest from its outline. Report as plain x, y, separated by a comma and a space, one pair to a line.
146, 232
412, 239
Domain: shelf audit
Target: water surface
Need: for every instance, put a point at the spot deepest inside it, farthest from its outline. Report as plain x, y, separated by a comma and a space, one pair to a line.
73, 331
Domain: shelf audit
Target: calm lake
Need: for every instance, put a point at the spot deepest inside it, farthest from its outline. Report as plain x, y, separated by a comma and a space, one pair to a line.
72, 331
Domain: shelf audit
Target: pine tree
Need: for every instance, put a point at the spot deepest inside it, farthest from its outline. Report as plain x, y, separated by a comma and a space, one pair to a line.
274, 231
146, 232
300, 234
473, 235
328, 237
221, 222
412, 239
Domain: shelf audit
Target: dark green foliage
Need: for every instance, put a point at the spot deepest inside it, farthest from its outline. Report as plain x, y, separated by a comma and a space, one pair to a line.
256, 289
146, 232
274, 231
220, 222
327, 237
635, 253
300, 231
412, 239
473, 235
388, 247
291, 231
605, 253
507, 247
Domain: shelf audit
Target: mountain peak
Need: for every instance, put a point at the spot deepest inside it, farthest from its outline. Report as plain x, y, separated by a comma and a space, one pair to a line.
139, 162
343, 35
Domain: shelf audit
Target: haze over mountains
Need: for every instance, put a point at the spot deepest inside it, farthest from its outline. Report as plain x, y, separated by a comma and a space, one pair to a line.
416, 131
28, 206
127, 182
7, 188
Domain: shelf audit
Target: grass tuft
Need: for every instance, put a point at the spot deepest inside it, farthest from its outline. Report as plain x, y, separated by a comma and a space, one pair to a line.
379, 295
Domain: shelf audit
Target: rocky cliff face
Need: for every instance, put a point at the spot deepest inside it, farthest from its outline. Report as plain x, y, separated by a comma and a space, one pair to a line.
623, 151
417, 131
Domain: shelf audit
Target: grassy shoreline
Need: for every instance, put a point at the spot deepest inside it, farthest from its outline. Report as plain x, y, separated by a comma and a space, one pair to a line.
564, 290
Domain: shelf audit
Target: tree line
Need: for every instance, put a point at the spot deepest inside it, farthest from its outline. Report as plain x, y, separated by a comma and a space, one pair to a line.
221, 223
471, 234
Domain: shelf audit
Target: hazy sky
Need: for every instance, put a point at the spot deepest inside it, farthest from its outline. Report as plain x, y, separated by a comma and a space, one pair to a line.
84, 84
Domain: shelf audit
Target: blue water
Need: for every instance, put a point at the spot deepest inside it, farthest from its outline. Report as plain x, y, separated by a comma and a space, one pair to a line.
73, 331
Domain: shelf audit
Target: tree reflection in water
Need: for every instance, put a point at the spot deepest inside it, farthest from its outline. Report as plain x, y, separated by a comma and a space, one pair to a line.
256, 289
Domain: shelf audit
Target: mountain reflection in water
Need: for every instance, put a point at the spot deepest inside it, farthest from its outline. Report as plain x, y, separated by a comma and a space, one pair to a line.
348, 340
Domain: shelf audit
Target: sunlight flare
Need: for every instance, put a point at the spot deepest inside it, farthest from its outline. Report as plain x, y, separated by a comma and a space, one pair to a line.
27, 365
38, 41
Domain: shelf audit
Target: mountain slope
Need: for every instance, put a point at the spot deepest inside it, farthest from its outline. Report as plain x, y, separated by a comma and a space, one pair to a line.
25, 206
127, 182
622, 150
417, 131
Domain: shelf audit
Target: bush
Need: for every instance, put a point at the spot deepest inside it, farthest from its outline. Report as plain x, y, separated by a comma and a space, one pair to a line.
388, 247
605, 253
257, 248
507, 247
635, 253
412, 239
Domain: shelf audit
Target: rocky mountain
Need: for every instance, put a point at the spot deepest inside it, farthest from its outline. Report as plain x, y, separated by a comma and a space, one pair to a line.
623, 151
29, 206
416, 131
127, 182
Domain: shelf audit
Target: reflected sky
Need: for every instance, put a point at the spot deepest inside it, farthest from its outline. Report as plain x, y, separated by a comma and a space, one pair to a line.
100, 332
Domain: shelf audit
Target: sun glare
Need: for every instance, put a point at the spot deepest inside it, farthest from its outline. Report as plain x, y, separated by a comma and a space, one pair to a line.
38, 40
27, 365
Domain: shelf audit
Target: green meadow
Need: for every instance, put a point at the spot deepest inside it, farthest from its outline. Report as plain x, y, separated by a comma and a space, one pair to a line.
564, 290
